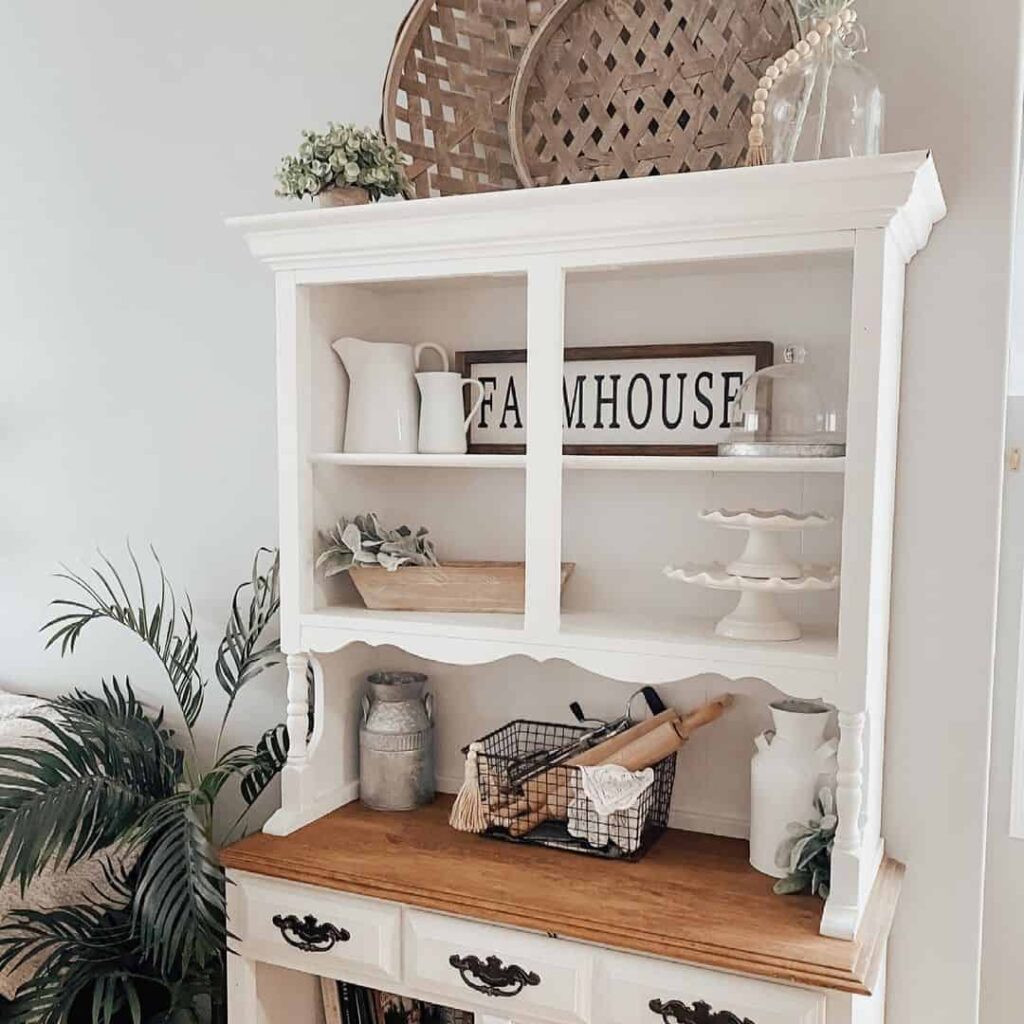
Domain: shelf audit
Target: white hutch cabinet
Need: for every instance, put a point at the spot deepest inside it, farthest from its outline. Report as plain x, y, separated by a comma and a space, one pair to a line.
813, 254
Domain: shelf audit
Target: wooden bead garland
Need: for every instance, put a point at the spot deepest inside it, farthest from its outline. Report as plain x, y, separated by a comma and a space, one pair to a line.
757, 150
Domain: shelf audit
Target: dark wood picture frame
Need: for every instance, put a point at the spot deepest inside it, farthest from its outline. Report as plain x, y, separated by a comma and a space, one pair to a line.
762, 351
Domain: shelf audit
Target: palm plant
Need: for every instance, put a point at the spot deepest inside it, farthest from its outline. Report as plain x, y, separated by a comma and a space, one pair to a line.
111, 775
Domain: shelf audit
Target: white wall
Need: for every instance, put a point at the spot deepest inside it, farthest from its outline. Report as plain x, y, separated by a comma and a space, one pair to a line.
935, 62
137, 389
1002, 985
137, 336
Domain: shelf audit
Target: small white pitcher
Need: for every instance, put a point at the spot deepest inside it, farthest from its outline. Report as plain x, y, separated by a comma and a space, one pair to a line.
382, 400
443, 422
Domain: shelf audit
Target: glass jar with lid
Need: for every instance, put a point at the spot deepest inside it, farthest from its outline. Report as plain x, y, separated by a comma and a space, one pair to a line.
828, 104
782, 411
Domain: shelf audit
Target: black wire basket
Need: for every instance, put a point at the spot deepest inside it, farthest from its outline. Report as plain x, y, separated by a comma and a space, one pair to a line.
528, 803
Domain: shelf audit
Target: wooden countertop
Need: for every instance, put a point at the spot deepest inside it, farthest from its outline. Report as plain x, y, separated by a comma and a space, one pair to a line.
692, 898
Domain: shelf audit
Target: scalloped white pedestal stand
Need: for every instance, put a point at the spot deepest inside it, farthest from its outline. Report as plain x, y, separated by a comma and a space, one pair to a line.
757, 616
760, 573
764, 557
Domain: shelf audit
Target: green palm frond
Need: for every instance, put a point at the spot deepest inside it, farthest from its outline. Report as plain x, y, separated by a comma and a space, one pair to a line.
118, 706
166, 627
89, 954
72, 796
258, 766
269, 757
240, 656
106, 771
228, 766
179, 907
119, 720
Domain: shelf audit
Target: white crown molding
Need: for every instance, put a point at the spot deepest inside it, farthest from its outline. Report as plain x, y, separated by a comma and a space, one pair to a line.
898, 191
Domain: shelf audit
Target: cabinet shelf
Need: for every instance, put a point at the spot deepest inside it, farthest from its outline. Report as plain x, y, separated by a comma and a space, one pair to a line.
419, 461
703, 464
693, 638
472, 625
630, 463
640, 650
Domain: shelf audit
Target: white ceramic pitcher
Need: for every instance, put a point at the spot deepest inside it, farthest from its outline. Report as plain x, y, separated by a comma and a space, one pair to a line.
443, 422
383, 403
790, 766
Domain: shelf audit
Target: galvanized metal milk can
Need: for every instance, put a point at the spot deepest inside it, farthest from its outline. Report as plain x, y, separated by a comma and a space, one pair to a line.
396, 743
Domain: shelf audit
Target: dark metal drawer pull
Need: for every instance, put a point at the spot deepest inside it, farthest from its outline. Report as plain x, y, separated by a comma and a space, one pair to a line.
491, 976
699, 1013
308, 934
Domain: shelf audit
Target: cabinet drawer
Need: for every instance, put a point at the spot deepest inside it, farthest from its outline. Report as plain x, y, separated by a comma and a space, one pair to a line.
316, 931
512, 974
627, 986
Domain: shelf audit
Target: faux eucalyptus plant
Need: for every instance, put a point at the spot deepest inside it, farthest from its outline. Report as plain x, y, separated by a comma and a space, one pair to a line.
364, 540
112, 775
806, 853
343, 156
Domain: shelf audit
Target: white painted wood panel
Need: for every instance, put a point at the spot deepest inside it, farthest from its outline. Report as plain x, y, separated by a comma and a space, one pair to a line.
759, 209
730, 256
545, 324
562, 994
371, 955
626, 985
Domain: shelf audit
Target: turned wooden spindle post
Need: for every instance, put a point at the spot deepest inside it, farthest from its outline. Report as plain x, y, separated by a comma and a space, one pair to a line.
298, 708
850, 781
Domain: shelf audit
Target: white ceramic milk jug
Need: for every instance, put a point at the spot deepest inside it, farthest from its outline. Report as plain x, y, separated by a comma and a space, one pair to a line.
443, 420
383, 403
787, 771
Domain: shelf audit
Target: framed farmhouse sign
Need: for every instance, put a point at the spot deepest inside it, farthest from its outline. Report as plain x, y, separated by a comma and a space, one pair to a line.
619, 400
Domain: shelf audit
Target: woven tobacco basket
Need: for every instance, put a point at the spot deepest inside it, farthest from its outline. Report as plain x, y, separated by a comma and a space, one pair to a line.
626, 88
447, 91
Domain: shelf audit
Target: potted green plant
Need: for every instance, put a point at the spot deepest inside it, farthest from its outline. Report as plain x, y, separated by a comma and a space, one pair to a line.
111, 774
343, 166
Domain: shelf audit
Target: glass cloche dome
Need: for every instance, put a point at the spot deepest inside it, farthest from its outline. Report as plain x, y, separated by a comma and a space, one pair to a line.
781, 411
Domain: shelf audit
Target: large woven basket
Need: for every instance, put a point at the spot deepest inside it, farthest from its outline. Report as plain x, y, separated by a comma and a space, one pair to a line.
447, 91
626, 88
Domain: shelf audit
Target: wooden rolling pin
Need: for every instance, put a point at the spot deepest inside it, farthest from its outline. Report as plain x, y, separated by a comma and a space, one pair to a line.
537, 790
657, 743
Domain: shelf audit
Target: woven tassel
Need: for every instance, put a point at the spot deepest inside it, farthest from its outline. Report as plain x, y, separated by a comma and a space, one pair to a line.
468, 811
757, 156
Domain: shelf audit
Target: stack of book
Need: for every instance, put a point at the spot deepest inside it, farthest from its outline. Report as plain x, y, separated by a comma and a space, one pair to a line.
345, 1003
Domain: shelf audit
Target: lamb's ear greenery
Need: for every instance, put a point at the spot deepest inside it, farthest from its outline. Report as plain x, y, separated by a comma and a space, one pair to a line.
364, 540
107, 774
806, 852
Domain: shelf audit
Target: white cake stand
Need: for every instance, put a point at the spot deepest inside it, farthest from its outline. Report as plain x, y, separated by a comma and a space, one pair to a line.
757, 616
764, 557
